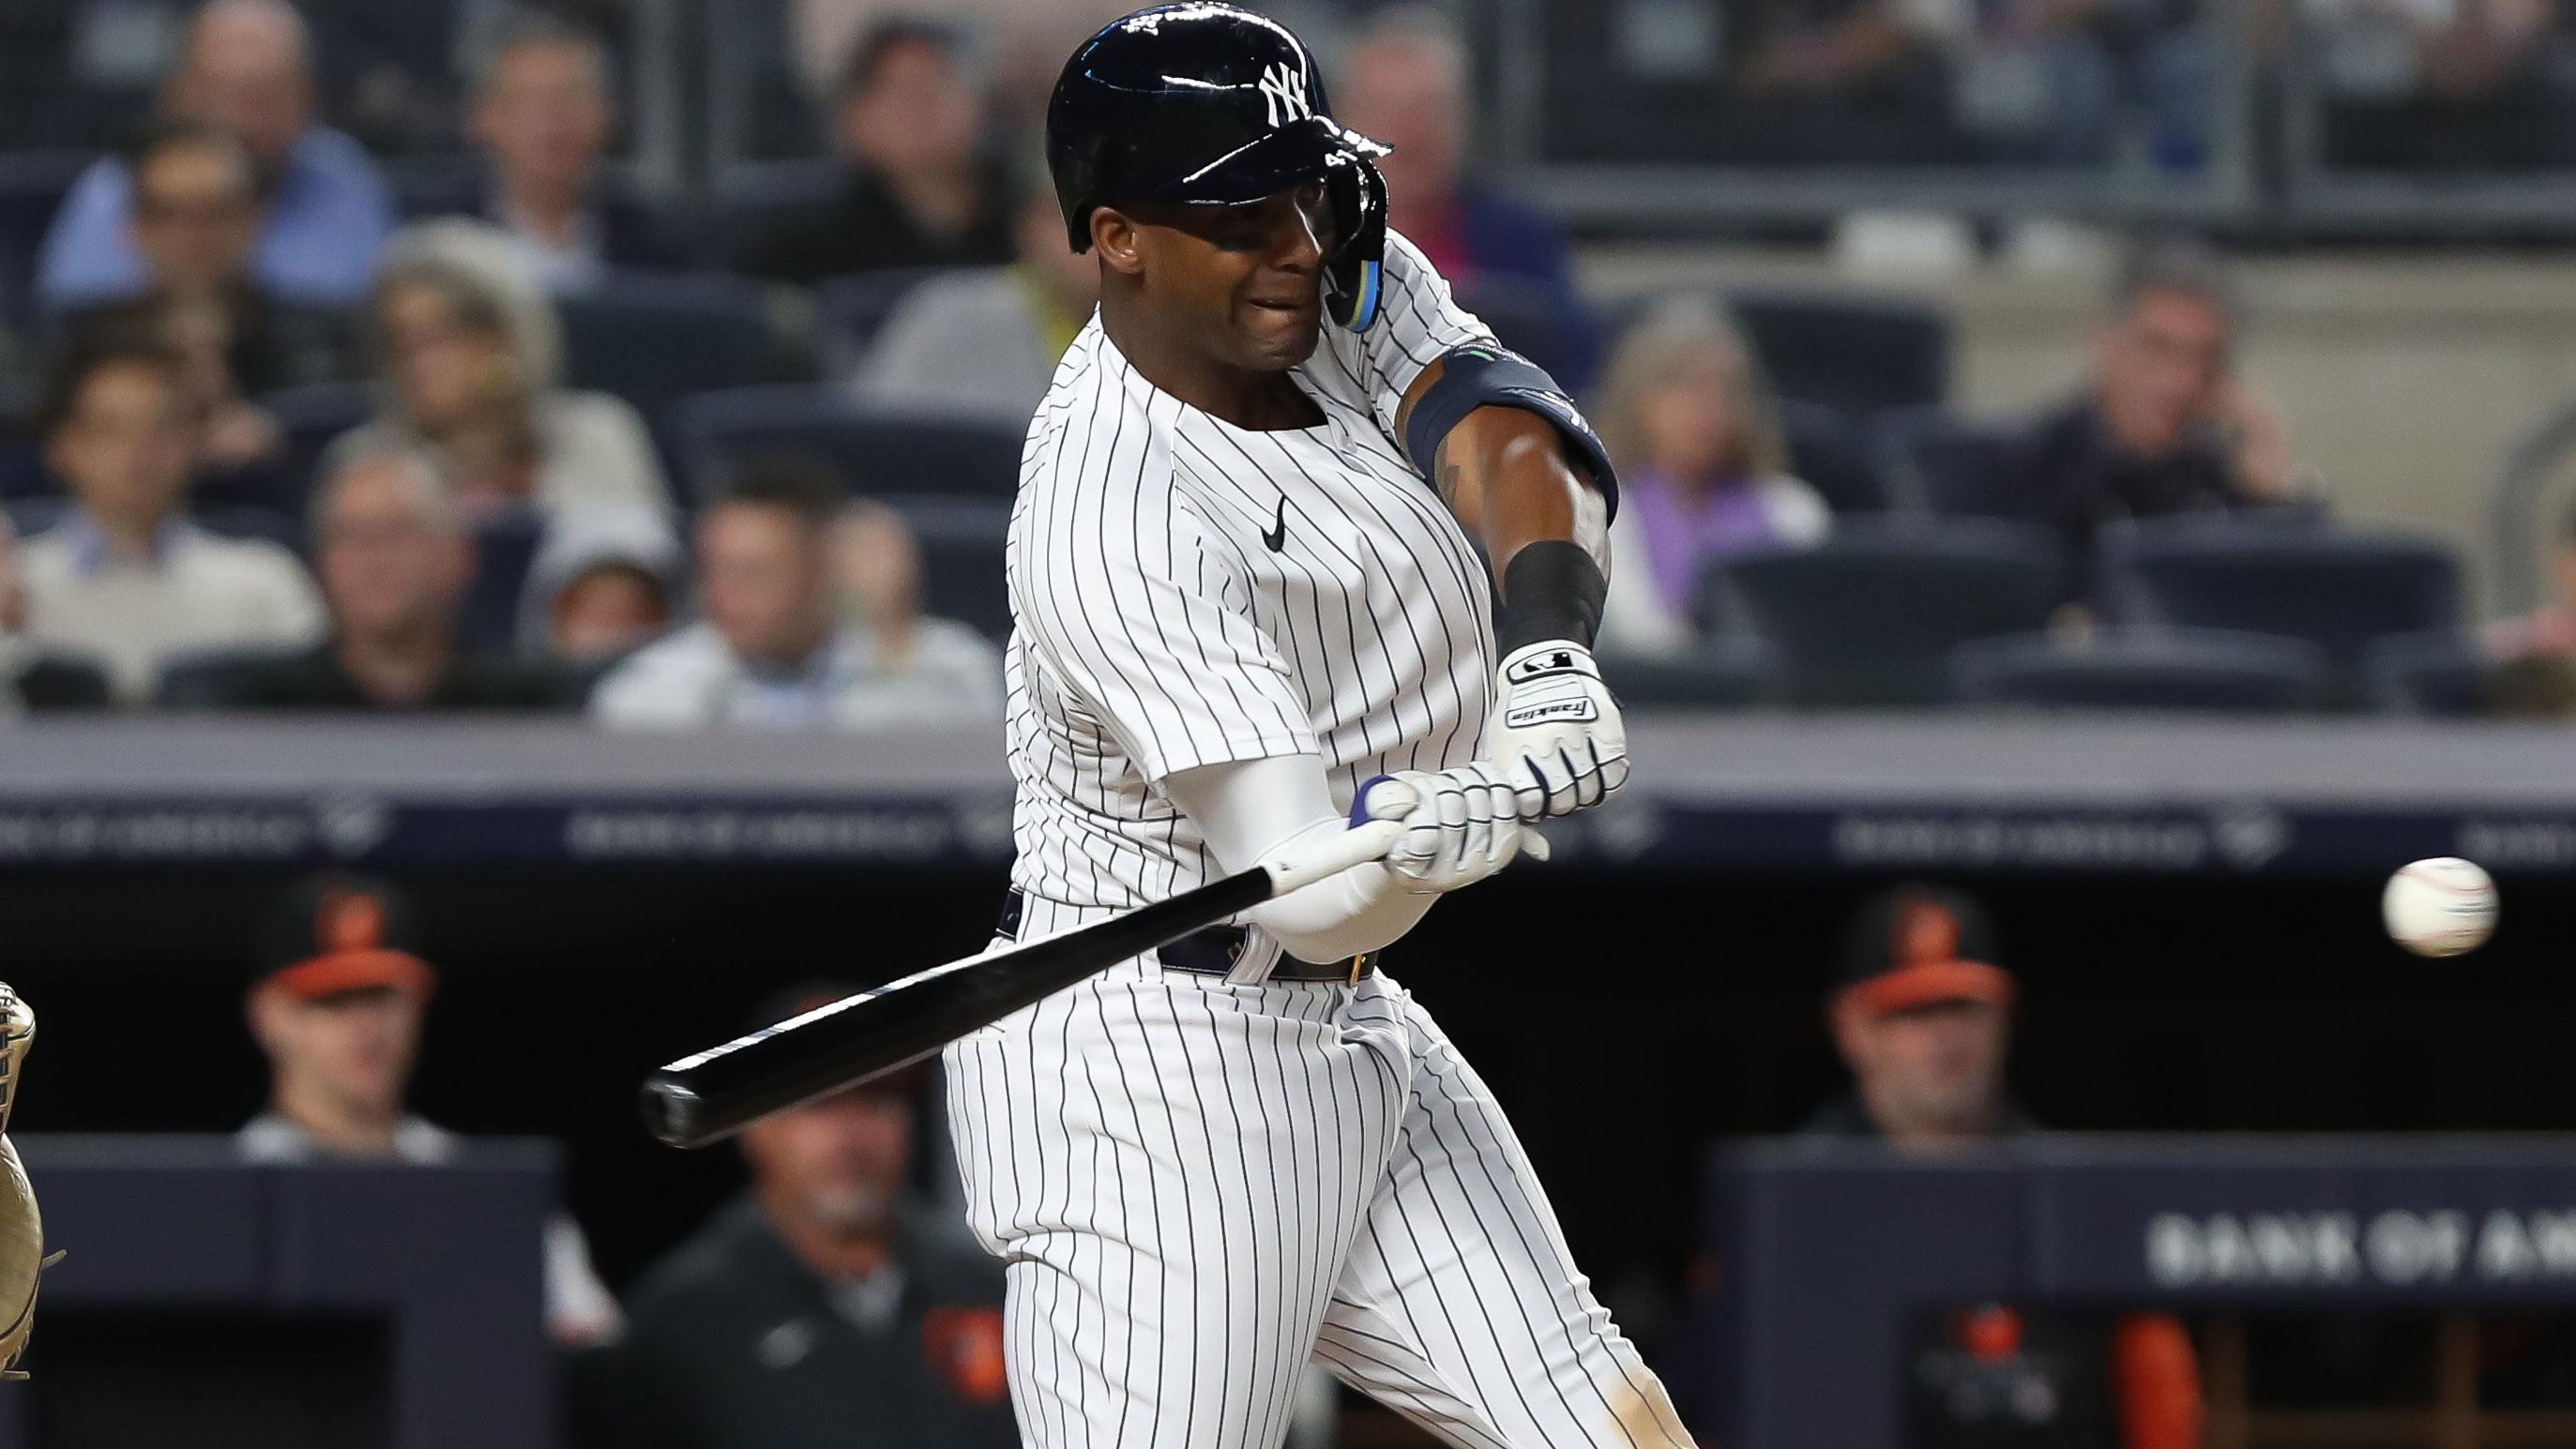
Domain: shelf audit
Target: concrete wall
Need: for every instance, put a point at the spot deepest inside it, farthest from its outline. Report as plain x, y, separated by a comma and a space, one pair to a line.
2404, 379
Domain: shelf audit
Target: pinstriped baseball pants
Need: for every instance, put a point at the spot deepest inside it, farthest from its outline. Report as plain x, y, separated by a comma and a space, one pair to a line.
1199, 1188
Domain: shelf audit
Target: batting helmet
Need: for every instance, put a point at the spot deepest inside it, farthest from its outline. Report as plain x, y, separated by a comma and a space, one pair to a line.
1209, 104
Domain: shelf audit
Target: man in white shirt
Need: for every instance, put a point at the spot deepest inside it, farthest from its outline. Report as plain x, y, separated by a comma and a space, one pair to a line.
127, 579
338, 1014
770, 651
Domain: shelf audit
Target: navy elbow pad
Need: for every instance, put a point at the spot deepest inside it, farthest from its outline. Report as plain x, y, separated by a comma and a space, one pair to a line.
1481, 375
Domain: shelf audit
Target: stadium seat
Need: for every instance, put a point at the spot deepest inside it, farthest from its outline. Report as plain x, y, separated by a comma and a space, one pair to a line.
32, 186
197, 680
653, 340
1725, 672
2207, 670
750, 196
1832, 453
2438, 672
1870, 615
1525, 317
883, 452
961, 558
504, 547
2337, 590
850, 311
1951, 463
1858, 354
311, 417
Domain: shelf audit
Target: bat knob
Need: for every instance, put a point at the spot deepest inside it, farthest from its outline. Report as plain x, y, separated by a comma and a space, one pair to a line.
671, 1112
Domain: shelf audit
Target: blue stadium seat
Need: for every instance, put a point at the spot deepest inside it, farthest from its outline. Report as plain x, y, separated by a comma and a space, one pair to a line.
311, 417
961, 558
1870, 615
653, 340
850, 311
196, 680
883, 452
750, 195
1832, 453
1725, 672
2337, 590
32, 186
1529, 319
1946, 460
504, 547
2208, 670
2439, 672
1859, 354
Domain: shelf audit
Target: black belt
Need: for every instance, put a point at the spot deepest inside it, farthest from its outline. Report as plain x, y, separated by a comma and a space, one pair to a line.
1215, 951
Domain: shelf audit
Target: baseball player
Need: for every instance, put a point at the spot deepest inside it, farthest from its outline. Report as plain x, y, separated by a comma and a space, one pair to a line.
1250, 605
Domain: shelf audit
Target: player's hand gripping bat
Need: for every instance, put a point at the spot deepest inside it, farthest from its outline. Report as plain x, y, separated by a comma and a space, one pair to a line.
706, 1098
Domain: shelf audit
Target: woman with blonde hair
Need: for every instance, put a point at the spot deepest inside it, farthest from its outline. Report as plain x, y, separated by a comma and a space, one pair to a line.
470, 356
1690, 419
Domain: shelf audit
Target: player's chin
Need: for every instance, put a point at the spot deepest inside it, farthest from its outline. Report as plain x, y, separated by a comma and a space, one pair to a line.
1279, 338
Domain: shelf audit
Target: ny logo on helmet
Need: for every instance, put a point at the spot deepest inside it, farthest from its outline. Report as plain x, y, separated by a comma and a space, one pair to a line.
1283, 93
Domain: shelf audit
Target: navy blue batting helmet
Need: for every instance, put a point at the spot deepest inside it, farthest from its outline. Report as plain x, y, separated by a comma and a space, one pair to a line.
1214, 105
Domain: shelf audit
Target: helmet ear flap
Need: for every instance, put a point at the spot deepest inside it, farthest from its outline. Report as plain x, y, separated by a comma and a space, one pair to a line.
1352, 274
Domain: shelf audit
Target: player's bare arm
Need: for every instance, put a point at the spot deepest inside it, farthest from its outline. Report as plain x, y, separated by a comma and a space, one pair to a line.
1526, 476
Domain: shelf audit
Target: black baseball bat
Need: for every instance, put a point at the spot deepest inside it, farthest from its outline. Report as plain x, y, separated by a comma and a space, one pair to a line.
708, 1097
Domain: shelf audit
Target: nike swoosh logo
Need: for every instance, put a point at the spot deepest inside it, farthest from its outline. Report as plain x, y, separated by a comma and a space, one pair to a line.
1277, 537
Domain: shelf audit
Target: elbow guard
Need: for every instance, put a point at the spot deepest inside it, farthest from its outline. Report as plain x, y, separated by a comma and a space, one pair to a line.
1481, 376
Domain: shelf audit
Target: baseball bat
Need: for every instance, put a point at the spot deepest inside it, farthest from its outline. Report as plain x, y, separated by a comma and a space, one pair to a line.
708, 1097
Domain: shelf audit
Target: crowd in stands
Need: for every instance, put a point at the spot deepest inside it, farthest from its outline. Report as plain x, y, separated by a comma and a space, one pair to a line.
533, 440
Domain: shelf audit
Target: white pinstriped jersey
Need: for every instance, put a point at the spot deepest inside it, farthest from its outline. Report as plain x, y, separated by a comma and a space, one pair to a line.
1188, 593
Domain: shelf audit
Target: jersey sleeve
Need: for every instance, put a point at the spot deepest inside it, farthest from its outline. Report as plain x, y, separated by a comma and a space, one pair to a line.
1417, 321
1122, 594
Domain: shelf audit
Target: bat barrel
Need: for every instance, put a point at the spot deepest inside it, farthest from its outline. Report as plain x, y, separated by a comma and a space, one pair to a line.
706, 1098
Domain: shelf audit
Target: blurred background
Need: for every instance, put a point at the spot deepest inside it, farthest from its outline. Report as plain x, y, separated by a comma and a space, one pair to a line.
502, 587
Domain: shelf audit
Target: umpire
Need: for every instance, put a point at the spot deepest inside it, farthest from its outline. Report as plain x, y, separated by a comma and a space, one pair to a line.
828, 1308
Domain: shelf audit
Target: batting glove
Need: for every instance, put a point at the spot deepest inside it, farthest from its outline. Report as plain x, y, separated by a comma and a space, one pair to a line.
1461, 825
1560, 740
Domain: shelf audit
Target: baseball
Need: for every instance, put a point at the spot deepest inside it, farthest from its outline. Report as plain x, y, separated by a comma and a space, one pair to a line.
2439, 907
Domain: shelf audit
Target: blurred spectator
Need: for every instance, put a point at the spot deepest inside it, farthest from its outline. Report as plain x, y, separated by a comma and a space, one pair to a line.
986, 341
603, 585
395, 562
196, 222
1028, 39
2551, 628
126, 577
544, 107
771, 651
337, 1011
1405, 82
920, 192
472, 352
30, 678
830, 1306
2163, 426
1694, 427
2532, 686
1923, 1018
1867, 51
246, 70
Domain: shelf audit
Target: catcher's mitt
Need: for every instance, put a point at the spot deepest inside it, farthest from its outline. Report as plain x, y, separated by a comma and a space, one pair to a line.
22, 1232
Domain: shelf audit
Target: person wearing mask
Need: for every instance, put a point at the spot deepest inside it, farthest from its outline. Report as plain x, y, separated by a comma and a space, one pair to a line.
395, 561
1922, 1016
544, 107
472, 355
830, 1306
247, 70
2163, 425
908, 124
772, 650
987, 341
126, 578
31, 679
337, 1009
605, 582
1690, 418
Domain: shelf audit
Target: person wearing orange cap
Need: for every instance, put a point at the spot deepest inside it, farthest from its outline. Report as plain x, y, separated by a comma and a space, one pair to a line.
1923, 1018
337, 1009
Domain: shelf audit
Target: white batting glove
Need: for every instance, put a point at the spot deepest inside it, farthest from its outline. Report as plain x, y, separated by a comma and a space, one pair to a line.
1461, 825
1559, 740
